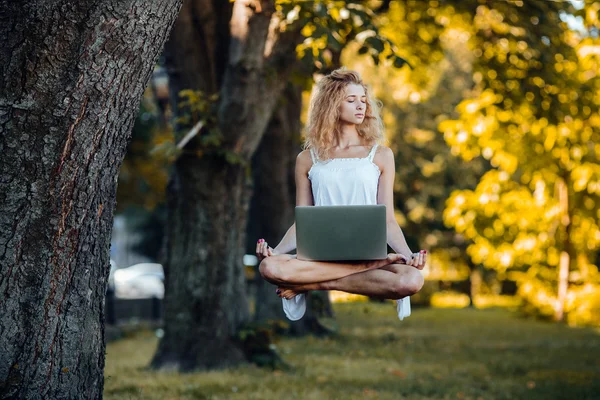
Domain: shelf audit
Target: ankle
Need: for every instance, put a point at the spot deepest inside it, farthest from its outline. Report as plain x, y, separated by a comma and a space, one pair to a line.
312, 286
327, 285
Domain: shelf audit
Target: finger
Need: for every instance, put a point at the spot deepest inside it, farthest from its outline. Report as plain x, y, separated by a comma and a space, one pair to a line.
265, 249
415, 260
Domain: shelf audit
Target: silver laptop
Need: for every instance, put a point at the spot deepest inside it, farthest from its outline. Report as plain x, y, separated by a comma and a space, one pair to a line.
341, 233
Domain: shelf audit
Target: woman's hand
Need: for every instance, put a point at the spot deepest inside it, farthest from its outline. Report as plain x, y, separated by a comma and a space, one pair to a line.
418, 259
263, 250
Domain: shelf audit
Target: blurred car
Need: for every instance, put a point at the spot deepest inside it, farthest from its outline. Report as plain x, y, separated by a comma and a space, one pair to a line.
140, 281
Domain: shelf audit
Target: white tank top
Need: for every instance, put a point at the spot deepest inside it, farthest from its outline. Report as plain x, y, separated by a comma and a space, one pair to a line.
344, 181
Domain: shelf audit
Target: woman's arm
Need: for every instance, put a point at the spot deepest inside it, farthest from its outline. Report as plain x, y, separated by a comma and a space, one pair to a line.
288, 243
304, 197
385, 195
396, 240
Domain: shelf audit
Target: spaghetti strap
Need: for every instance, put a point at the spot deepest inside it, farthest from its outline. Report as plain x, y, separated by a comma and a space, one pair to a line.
372, 152
313, 156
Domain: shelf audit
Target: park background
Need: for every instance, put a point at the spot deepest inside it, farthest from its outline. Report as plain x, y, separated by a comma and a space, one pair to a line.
492, 111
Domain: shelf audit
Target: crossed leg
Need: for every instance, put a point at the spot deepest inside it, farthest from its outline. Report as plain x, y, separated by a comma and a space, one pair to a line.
381, 278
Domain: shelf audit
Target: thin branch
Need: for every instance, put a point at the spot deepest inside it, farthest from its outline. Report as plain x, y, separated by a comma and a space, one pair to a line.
188, 136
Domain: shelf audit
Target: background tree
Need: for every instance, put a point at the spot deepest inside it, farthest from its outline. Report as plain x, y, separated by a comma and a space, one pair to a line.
143, 177
236, 64
237, 59
535, 117
432, 36
73, 75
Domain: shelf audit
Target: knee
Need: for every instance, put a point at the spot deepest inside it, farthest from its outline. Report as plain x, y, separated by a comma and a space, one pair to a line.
267, 269
270, 269
409, 283
415, 281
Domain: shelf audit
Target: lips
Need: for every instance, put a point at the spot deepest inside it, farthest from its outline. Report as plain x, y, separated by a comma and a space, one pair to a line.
360, 115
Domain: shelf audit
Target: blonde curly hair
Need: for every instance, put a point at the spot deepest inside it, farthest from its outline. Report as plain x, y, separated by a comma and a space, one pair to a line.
324, 112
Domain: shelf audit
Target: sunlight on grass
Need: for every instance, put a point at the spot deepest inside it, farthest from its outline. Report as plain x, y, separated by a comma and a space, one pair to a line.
486, 301
433, 354
449, 299
337, 296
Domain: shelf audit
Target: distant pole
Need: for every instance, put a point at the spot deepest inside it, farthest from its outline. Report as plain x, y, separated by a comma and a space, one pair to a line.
565, 256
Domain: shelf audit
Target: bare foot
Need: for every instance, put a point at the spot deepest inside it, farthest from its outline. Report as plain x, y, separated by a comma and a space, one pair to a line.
288, 293
392, 258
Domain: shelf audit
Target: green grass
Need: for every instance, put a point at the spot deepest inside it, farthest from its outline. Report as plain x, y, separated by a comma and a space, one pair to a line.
433, 354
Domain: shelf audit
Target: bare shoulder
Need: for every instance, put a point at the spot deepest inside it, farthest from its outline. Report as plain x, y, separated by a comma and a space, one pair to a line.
384, 157
303, 161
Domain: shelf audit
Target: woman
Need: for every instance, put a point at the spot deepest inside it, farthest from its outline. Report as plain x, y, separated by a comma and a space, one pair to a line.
343, 164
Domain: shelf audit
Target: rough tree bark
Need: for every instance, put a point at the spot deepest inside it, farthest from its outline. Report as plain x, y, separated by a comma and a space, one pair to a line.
72, 76
240, 54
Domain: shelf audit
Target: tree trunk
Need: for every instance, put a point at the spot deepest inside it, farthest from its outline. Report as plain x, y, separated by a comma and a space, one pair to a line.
475, 279
565, 255
272, 204
73, 75
272, 208
205, 299
205, 291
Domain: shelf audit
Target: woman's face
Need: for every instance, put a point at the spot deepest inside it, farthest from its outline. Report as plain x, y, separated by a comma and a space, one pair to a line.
354, 105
